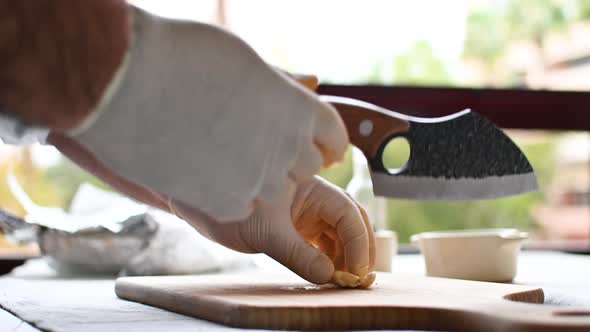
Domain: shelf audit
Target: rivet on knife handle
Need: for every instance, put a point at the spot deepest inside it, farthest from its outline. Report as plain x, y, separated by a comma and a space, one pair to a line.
367, 126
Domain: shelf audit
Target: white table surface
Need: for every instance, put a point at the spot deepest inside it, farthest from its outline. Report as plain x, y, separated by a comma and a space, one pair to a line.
44, 301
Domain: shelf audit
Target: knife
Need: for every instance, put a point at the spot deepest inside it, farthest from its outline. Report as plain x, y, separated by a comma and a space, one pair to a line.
462, 156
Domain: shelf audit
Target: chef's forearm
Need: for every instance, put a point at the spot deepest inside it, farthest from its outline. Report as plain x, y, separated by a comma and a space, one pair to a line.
85, 159
57, 57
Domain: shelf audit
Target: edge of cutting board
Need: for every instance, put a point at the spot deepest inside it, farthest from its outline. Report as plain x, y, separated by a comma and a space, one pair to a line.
489, 314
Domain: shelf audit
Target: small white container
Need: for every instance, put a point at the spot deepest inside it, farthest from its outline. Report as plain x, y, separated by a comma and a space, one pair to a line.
385, 250
483, 254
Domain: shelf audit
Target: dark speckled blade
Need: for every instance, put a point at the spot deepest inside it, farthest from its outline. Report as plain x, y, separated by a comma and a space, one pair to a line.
459, 157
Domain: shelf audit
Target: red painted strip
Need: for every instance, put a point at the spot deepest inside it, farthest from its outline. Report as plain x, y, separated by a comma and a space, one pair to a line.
523, 109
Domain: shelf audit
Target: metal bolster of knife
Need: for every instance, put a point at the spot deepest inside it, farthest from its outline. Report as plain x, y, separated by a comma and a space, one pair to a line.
369, 127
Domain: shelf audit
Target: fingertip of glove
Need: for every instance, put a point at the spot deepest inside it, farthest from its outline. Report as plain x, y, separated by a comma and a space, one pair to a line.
320, 270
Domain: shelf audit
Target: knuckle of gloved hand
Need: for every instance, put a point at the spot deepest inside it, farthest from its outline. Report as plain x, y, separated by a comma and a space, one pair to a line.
276, 187
305, 105
336, 202
329, 116
317, 159
341, 140
349, 196
353, 230
307, 164
352, 209
232, 45
361, 209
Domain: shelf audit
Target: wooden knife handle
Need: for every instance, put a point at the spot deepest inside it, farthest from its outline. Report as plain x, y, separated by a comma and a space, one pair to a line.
369, 128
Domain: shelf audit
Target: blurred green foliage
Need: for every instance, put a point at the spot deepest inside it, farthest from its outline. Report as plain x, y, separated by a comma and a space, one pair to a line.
418, 65
54, 186
67, 177
485, 39
491, 29
584, 9
32, 179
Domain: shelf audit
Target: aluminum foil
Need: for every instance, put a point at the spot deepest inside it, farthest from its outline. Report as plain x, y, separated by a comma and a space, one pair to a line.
104, 233
100, 234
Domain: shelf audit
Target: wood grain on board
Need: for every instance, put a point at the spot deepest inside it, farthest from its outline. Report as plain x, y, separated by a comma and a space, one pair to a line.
394, 302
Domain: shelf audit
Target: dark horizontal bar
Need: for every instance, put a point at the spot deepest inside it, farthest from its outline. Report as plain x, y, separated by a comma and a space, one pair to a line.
523, 109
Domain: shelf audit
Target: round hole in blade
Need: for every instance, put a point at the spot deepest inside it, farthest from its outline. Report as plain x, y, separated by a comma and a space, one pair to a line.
396, 154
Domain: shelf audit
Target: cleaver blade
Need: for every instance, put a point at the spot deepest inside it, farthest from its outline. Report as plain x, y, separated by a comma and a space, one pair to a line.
463, 156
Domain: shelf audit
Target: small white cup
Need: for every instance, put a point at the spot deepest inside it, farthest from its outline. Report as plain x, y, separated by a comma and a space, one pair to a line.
385, 250
483, 254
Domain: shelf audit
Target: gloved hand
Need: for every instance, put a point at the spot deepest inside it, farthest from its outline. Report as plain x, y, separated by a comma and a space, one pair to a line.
195, 115
318, 213
314, 231
197, 124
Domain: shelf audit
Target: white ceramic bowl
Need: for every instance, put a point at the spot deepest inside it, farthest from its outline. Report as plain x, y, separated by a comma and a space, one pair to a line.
482, 254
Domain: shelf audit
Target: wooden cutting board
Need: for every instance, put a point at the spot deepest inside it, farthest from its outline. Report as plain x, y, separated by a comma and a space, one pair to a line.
394, 302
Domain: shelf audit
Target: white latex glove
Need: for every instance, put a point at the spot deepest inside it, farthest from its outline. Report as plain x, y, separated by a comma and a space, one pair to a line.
314, 232
196, 115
